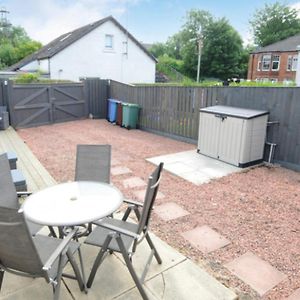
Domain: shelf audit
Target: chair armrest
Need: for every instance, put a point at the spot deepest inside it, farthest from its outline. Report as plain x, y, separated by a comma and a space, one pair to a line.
61, 247
118, 229
20, 194
129, 201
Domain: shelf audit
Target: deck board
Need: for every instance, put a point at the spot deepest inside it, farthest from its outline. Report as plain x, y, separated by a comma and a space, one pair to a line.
37, 177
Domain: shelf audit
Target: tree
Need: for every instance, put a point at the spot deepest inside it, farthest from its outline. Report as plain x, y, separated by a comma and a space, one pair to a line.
273, 23
158, 49
15, 44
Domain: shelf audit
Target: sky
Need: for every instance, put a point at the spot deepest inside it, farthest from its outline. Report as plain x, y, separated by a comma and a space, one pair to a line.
149, 21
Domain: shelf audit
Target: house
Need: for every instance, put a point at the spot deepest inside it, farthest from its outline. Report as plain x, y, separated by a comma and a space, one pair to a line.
102, 49
276, 62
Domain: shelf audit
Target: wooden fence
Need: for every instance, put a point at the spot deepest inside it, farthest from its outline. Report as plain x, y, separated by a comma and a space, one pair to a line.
174, 111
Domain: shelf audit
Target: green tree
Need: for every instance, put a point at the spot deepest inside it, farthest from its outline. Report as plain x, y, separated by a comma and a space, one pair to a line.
222, 51
15, 44
158, 49
273, 23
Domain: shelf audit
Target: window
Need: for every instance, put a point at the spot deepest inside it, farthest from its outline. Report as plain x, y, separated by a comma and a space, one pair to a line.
275, 62
109, 41
259, 63
292, 63
266, 61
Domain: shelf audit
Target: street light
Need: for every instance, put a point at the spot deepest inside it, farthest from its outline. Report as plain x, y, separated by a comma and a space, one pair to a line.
199, 40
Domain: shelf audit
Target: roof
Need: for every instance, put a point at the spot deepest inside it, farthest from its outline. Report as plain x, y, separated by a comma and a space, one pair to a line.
69, 38
286, 45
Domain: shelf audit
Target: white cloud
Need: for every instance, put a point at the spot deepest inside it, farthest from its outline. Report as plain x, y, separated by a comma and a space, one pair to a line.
47, 19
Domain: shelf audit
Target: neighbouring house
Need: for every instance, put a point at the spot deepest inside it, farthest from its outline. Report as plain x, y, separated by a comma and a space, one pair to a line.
102, 49
276, 62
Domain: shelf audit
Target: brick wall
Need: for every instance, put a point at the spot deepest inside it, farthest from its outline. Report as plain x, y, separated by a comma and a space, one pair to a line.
281, 75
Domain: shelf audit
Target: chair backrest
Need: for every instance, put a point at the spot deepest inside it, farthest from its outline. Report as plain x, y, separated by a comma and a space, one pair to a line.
8, 194
151, 192
93, 163
17, 250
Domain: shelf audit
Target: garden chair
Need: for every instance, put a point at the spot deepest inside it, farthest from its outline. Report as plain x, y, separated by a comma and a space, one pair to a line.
93, 164
8, 195
38, 256
124, 236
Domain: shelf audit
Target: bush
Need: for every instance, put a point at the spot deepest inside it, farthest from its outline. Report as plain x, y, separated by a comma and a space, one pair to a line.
27, 78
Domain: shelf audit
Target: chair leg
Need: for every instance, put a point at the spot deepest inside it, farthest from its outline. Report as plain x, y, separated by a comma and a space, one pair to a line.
98, 261
158, 258
80, 280
52, 232
131, 269
58, 279
1, 278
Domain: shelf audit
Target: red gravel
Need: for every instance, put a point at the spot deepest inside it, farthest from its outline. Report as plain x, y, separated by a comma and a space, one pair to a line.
257, 210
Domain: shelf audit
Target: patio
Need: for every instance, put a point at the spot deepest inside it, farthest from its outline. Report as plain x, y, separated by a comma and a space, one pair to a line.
246, 218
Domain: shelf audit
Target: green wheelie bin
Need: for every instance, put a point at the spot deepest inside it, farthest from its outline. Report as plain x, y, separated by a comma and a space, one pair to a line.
130, 114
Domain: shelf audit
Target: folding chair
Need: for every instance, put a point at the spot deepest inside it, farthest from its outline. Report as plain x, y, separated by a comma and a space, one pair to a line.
38, 256
123, 236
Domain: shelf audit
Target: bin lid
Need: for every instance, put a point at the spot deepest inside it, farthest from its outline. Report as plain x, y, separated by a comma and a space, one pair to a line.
114, 100
131, 104
237, 112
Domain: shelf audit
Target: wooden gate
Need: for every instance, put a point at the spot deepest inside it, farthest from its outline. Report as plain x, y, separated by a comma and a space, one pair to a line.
40, 104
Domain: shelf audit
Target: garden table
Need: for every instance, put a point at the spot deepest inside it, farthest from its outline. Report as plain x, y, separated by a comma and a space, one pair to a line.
72, 203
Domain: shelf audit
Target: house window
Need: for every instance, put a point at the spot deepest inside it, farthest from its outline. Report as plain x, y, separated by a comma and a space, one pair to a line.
275, 62
109, 41
292, 63
259, 63
266, 61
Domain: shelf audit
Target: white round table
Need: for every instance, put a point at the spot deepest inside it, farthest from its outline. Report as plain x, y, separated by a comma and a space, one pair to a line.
72, 203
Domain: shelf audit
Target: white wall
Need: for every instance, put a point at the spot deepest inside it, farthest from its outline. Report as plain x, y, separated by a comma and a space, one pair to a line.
37, 65
88, 58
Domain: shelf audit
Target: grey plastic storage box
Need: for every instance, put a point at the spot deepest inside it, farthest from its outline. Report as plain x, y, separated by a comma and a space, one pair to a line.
19, 180
233, 135
12, 158
4, 120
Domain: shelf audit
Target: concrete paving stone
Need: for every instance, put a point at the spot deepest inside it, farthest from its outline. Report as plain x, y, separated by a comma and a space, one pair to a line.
120, 171
170, 211
140, 195
115, 162
196, 177
295, 295
133, 182
170, 257
34, 289
205, 239
188, 281
178, 168
134, 294
259, 274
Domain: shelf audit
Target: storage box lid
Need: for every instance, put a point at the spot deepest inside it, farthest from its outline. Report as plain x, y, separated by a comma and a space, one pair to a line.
236, 112
114, 100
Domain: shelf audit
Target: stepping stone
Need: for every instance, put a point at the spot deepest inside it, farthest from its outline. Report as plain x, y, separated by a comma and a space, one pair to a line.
295, 295
140, 195
259, 274
170, 211
114, 162
205, 239
133, 182
120, 171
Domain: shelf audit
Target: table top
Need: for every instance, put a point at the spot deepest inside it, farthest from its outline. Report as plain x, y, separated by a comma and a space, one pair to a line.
72, 203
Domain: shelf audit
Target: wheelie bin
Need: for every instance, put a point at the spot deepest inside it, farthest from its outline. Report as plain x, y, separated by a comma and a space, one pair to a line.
112, 110
130, 115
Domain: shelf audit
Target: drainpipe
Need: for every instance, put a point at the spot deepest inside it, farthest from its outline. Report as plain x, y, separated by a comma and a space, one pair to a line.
298, 68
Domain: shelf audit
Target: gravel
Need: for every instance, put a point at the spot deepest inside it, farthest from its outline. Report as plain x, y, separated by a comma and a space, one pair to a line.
258, 210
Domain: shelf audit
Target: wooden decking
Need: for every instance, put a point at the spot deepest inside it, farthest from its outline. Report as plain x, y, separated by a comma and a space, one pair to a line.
37, 177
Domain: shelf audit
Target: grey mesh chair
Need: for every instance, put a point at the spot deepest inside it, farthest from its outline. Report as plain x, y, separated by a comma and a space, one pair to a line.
38, 256
123, 236
93, 164
8, 194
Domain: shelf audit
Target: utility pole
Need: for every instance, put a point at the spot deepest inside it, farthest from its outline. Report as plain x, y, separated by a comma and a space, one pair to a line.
4, 23
200, 44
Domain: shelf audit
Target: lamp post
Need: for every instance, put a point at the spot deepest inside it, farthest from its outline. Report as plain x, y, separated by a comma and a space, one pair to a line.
200, 44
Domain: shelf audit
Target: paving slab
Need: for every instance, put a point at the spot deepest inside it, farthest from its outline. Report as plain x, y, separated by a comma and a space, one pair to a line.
205, 239
194, 167
140, 195
187, 281
295, 295
133, 182
170, 211
120, 171
259, 274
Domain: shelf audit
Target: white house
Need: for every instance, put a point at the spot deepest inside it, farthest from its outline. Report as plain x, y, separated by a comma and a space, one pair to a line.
102, 49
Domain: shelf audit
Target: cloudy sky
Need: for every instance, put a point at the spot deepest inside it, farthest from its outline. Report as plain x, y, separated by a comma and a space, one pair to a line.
148, 20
